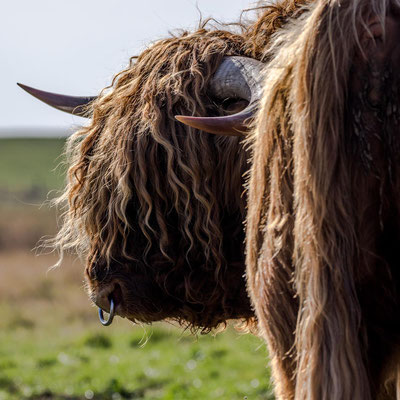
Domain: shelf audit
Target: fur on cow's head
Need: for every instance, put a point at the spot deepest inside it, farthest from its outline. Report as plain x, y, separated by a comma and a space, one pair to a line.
271, 17
154, 207
323, 189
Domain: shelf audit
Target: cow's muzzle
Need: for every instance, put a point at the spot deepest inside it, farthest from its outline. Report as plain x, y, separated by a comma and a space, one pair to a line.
109, 299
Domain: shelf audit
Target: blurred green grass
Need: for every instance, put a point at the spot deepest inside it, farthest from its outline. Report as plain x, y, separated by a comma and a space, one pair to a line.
31, 173
112, 364
29, 164
51, 344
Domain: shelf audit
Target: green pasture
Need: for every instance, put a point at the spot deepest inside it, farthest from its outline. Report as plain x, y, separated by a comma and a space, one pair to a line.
28, 165
31, 173
51, 344
119, 364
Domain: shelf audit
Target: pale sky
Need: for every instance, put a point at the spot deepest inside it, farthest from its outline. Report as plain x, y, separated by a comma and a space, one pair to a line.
76, 46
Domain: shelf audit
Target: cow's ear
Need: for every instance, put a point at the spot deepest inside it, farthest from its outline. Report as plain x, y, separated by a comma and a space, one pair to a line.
236, 78
71, 104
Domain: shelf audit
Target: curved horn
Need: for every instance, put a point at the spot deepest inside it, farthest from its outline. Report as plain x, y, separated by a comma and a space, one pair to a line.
71, 104
236, 77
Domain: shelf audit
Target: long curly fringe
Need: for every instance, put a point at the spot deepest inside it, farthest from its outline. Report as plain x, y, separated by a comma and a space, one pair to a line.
134, 166
301, 243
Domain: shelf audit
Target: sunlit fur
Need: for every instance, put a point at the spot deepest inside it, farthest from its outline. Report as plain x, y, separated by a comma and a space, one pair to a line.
143, 187
323, 222
145, 191
271, 16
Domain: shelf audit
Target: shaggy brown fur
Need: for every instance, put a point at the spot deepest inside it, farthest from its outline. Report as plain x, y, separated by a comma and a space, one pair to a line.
323, 224
157, 205
273, 15
154, 204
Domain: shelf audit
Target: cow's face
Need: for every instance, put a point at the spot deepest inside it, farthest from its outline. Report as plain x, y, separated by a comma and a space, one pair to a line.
155, 207
166, 253
175, 249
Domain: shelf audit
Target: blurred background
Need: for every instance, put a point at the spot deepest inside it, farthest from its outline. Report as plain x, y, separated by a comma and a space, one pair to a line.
51, 343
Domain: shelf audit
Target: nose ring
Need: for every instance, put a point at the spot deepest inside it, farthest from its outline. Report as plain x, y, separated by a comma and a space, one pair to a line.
110, 318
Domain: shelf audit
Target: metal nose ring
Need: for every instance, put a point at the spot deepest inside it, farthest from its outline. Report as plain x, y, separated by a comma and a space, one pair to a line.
108, 321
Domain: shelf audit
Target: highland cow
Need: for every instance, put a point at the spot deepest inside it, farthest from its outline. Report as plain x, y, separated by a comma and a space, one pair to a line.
323, 223
323, 220
154, 207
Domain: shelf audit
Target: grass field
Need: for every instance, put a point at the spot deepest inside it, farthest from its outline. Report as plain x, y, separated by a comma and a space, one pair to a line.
51, 344
27, 164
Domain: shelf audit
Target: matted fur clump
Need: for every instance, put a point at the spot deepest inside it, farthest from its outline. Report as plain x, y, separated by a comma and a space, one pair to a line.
322, 225
148, 193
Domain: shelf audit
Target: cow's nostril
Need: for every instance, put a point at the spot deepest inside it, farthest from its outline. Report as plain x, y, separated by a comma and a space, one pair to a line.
116, 294
107, 292
114, 299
